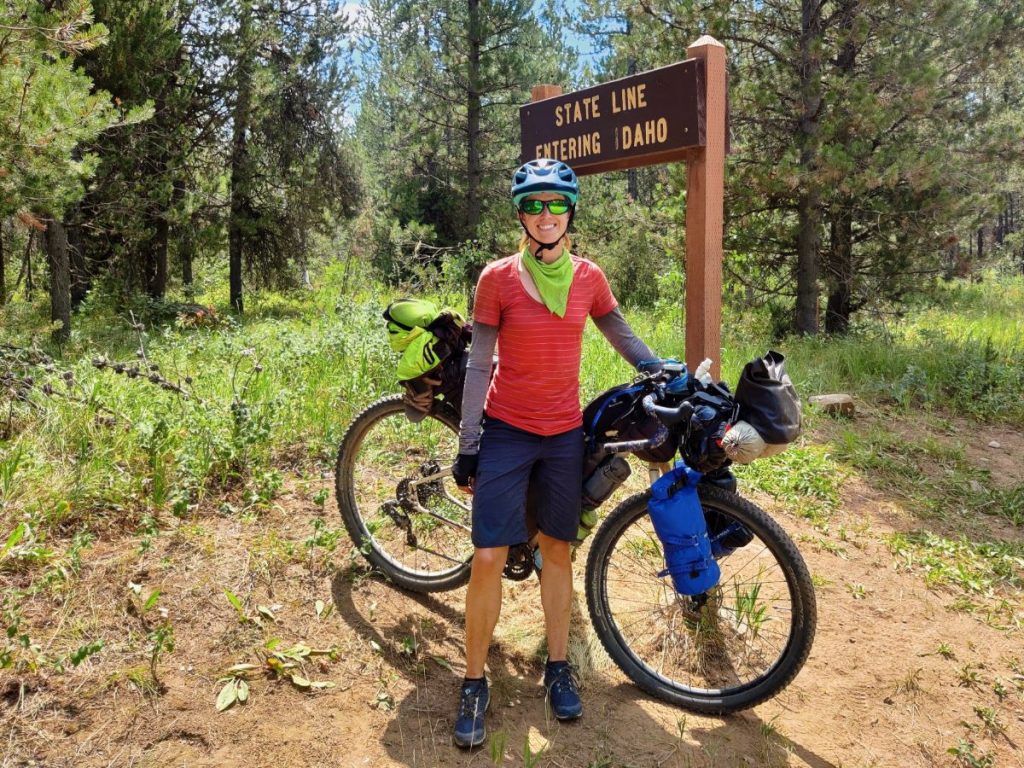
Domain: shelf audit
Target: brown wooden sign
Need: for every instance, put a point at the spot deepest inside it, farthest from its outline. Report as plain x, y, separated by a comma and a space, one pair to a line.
678, 112
653, 117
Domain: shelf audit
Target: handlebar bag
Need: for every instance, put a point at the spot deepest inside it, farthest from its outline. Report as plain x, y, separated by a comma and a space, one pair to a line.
617, 415
679, 522
768, 399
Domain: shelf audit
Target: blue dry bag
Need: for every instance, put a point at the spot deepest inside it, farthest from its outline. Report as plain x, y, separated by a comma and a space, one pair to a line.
679, 522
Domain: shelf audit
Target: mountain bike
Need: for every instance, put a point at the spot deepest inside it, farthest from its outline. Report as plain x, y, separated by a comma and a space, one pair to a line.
722, 651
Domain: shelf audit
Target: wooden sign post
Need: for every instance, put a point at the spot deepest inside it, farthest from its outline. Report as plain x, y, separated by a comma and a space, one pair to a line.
669, 114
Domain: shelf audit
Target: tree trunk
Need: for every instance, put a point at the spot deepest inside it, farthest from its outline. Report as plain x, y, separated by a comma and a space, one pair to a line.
27, 267
186, 252
840, 298
185, 244
840, 268
809, 200
474, 172
81, 280
952, 260
55, 242
807, 246
156, 256
3, 269
240, 170
159, 210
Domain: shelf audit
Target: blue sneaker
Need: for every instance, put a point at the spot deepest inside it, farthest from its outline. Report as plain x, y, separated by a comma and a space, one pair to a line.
474, 698
562, 690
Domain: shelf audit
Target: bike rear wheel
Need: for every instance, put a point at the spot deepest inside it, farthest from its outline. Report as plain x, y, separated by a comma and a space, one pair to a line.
398, 500
736, 646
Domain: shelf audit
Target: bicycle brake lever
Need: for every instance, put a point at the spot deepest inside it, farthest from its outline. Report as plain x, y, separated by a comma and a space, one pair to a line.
670, 417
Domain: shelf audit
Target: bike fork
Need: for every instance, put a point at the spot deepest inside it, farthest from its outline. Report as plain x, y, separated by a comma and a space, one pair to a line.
656, 469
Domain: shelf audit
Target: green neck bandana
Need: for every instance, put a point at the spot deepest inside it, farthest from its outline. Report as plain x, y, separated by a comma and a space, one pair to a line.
552, 280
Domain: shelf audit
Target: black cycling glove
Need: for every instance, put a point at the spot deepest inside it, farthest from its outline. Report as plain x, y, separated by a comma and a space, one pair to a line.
464, 469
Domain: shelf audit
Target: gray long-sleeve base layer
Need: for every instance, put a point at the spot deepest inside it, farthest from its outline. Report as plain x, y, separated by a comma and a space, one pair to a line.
481, 358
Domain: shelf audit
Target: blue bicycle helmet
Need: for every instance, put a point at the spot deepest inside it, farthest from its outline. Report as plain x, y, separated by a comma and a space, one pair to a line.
544, 175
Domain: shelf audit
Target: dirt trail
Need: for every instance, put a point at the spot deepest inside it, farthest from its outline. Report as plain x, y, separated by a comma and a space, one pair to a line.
875, 692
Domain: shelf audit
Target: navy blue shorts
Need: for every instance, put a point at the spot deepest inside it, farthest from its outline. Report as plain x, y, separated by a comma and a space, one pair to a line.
511, 460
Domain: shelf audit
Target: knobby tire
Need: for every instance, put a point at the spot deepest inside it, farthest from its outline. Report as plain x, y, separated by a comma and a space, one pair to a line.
742, 646
380, 449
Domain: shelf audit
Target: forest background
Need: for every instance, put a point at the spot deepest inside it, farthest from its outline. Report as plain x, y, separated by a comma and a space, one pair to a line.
148, 148
204, 206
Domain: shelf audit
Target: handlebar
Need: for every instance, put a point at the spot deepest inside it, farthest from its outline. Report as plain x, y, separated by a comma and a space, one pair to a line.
668, 417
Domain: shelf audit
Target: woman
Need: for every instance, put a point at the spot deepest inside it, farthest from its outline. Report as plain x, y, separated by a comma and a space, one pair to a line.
534, 305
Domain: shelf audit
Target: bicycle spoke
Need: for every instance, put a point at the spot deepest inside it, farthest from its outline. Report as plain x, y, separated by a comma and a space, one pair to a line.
394, 481
730, 641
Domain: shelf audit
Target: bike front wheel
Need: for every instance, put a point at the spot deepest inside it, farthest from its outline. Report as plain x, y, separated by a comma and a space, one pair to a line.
397, 497
731, 648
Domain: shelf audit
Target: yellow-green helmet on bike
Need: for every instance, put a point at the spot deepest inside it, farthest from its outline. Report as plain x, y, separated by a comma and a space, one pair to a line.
407, 320
422, 353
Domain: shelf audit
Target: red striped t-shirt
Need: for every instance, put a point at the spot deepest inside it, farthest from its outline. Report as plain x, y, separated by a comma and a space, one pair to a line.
536, 385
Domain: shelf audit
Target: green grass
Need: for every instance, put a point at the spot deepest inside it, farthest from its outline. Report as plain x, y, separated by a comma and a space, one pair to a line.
87, 451
991, 573
963, 354
805, 477
123, 446
934, 476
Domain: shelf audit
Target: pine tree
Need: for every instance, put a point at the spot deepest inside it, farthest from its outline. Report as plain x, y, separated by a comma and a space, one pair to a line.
289, 174
123, 224
440, 112
850, 121
47, 106
47, 110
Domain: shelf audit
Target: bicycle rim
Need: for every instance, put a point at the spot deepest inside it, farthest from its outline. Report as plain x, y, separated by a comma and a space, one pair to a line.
742, 645
413, 528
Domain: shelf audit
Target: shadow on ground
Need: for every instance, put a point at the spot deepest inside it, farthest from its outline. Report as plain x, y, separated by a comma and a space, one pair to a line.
421, 646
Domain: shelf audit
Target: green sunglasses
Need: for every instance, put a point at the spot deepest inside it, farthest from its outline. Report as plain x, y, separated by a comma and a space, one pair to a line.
534, 207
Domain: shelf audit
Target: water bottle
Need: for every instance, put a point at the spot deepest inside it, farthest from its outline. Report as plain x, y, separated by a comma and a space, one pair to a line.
703, 372
679, 382
609, 475
606, 477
